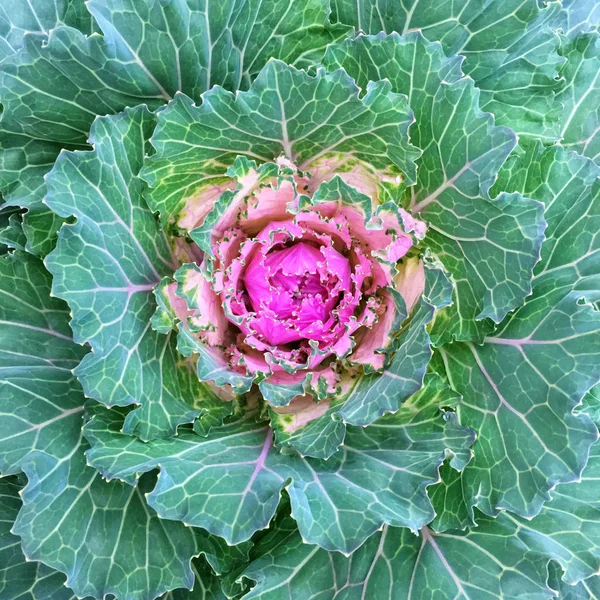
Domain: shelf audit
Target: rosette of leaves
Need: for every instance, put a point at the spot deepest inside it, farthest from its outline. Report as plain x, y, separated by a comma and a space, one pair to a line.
310, 321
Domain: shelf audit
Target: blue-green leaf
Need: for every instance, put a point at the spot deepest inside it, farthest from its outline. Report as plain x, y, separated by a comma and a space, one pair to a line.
485, 563
21, 579
579, 16
580, 96
41, 402
503, 558
490, 246
101, 535
190, 46
308, 119
106, 265
521, 386
230, 481
510, 49
19, 17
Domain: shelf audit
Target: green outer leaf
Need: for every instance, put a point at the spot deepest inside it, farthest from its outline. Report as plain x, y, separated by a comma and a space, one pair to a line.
520, 388
448, 499
206, 585
510, 49
235, 585
568, 185
580, 97
101, 535
568, 527
585, 590
149, 52
506, 557
11, 234
40, 431
499, 272
285, 111
579, 15
69, 78
230, 482
22, 579
590, 405
516, 65
24, 163
7, 222
17, 17
41, 402
214, 567
191, 46
222, 557
19, 579
105, 266
489, 246
487, 562
40, 226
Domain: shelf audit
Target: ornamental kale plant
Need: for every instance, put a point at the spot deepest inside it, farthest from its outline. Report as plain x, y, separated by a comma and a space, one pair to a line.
299, 299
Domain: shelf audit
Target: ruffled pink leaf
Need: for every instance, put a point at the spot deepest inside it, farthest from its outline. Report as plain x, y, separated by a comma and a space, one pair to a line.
196, 303
296, 285
266, 205
410, 281
200, 204
369, 349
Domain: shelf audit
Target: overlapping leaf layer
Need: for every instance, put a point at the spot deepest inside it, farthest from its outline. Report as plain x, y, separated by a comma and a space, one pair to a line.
138, 461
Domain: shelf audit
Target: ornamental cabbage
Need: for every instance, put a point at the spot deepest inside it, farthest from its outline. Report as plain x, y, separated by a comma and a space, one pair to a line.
299, 299
296, 284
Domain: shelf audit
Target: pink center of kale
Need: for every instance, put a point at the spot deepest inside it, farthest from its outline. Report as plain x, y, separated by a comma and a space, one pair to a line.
300, 289
295, 290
